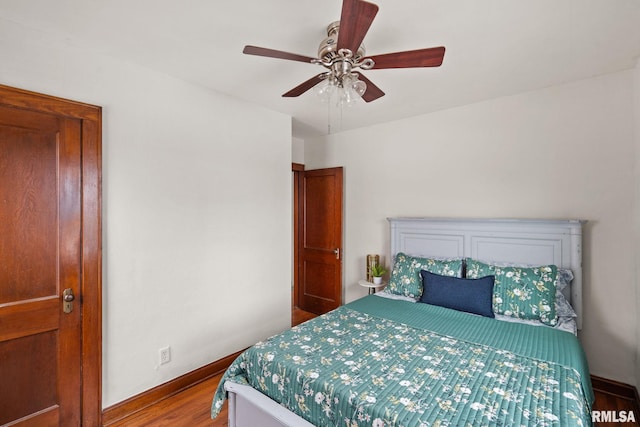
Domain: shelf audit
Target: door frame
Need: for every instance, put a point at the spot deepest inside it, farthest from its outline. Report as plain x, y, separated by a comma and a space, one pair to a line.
91, 234
298, 177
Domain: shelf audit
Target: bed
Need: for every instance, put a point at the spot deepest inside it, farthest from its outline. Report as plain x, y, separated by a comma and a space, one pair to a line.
389, 360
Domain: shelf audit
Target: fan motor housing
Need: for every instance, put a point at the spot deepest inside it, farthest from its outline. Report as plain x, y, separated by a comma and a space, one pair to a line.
328, 49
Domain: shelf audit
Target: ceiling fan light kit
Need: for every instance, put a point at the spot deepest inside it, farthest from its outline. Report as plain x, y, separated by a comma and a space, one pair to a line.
345, 91
343, 54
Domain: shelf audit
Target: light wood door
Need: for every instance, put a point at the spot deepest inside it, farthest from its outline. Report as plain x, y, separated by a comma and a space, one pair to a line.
41, 256
320, 240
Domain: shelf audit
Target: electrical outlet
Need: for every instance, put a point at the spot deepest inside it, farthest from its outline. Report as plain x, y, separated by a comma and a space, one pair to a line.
165, 355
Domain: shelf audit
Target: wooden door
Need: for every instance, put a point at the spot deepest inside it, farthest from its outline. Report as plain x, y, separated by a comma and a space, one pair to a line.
320, 240
41, 258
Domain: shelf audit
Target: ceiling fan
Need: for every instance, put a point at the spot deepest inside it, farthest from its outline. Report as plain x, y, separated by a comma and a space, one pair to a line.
342, 52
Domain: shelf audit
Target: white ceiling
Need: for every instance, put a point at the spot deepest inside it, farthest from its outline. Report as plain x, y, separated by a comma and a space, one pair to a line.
494, 47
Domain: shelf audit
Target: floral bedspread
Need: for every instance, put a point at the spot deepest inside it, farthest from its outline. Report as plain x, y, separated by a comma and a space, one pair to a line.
348, 368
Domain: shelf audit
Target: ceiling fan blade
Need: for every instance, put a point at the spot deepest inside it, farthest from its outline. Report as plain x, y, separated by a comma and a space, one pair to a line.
305, 86
430, 57
356, 18
373, 92
272, 53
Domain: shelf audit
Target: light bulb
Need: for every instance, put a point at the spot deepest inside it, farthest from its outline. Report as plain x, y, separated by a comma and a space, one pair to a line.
349, 96
359, 86
325, 90
345, 91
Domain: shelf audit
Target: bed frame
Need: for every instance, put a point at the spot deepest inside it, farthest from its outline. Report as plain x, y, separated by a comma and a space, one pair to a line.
518, 241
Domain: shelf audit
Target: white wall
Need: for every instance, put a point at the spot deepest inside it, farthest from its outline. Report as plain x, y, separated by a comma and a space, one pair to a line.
563, 152
196, 205
297, 150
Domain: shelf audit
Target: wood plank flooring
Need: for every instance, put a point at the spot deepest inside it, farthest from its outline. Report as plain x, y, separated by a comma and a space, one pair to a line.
191, 408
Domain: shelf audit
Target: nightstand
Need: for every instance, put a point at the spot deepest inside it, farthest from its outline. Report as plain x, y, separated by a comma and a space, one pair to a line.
372, 286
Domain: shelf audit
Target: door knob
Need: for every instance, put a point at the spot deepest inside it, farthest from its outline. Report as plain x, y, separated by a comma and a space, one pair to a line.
67, 300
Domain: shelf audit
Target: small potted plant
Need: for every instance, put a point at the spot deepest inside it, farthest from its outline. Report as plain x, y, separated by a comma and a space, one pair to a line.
377, 271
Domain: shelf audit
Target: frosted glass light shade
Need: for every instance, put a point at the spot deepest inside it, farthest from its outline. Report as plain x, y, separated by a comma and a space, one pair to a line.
347, 93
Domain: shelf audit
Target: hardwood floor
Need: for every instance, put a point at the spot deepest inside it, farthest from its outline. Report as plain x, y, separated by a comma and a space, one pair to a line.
299, 316
191, 408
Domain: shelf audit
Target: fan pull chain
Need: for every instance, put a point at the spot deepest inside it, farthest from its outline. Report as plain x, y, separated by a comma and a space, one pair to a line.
329, 117
335, 117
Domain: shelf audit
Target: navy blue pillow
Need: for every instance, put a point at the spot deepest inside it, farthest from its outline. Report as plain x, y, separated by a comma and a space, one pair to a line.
470, 295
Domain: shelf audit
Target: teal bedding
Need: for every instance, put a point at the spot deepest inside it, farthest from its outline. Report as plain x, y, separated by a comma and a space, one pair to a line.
380, 362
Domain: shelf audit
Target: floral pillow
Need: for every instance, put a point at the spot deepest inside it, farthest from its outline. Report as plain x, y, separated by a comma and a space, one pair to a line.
521, 292
405, 277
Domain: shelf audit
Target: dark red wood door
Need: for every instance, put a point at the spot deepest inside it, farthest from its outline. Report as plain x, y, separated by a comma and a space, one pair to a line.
40, 257
320, 264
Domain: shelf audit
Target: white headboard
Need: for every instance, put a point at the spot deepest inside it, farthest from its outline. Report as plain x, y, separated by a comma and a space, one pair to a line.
521, 241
